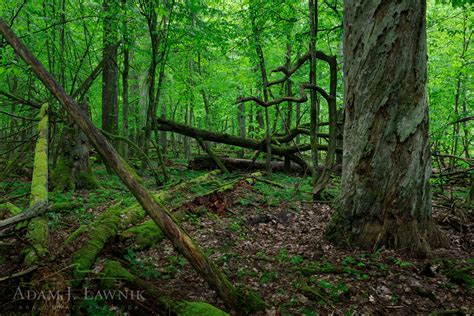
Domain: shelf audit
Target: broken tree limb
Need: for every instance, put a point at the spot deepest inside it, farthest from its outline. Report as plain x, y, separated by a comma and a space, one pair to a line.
181, 241
464, 119
301, 99
34, 211
289, 71
212, 155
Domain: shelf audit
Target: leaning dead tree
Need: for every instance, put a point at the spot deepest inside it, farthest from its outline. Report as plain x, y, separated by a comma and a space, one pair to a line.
288, 70
238, 300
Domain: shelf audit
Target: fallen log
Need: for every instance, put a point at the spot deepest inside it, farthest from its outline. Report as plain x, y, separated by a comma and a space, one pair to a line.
114, 274
181, 241
165, 125
38, 232
233, 164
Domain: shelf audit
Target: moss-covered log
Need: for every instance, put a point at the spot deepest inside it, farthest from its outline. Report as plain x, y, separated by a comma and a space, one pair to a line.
38, 233
98, 233
114, 273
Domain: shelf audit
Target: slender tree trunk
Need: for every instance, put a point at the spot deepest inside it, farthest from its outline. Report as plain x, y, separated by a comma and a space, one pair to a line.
386, 198
241, 121
109, 71
163, 135
314, 110
263, 72
187, 150
125, 75
289, 92
62, 62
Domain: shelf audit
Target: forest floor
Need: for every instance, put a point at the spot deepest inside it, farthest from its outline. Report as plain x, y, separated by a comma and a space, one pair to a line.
268, 235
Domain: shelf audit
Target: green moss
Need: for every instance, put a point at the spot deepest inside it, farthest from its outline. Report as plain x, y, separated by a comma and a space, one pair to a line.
98, 234
38, 236
145, 235
63, 206
61, 177
39, 182
114, 271
198, 308
461, 276
88, 180
8, 209
43, 111
75, 234
251, 301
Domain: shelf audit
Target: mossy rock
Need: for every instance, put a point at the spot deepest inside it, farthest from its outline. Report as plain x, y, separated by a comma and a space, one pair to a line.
198, 308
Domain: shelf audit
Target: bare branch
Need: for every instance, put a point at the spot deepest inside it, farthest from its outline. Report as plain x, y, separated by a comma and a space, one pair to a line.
301, 99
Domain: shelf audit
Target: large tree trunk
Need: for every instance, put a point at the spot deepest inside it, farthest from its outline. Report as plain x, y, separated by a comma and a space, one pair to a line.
386, 197
73, 170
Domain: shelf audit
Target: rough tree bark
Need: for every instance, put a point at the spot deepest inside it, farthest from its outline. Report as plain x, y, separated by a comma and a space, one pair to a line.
73, 170
385, 197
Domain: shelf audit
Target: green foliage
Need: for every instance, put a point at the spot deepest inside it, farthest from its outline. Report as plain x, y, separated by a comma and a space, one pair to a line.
141, 267
144, 235
96, 307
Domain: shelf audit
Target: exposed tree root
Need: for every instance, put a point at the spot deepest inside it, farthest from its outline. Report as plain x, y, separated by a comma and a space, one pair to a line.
414, 238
